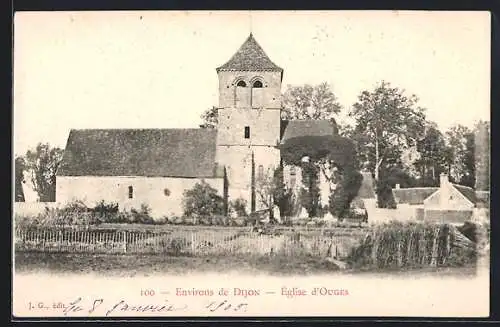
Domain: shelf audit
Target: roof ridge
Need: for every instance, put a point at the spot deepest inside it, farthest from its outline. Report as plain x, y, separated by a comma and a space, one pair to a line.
416, 188
138, 129
464, 186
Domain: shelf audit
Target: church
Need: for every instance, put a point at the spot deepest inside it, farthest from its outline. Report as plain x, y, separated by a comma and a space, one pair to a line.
155, 166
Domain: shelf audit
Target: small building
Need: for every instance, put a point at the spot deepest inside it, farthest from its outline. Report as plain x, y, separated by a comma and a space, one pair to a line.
449, 202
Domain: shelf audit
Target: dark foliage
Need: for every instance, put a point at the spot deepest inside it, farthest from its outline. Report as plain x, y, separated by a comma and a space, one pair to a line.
346, 191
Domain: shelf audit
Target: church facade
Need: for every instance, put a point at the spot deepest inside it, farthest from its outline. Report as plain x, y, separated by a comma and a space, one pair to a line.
155, 166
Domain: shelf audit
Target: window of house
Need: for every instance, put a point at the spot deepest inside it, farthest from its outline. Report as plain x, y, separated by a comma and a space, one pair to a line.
247, 132
241, 84
257, 84
292, 171
261, 172
130, 192
166, 192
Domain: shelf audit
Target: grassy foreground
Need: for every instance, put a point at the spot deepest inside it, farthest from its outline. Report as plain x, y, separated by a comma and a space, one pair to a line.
148, 265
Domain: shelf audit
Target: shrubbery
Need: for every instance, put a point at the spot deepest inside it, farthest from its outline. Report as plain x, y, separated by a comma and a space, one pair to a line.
346, 191
396, 245
202, 201
77, 213
239, 206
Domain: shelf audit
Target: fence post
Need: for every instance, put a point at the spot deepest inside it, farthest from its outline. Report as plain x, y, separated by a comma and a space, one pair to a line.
435, 248
193, 245
124, 241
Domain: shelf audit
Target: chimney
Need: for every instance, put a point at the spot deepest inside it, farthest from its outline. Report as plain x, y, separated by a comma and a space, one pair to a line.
398, 186
443, 179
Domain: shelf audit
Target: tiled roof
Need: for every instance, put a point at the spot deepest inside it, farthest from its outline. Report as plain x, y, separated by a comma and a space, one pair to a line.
414, 195
466, 191
307, 127
250, 57
140, 152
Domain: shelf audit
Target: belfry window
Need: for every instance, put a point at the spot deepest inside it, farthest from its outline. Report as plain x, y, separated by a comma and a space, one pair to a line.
247, 132
257, 84
241, 84
130, 192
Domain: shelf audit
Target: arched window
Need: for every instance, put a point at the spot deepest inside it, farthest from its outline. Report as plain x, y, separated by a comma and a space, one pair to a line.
257, 84
241, 84
261, 172
130, 192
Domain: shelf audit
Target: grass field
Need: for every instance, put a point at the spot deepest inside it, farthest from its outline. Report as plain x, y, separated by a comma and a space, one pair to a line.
148, 265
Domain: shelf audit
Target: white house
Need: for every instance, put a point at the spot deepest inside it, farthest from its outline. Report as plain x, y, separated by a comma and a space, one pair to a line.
449, 202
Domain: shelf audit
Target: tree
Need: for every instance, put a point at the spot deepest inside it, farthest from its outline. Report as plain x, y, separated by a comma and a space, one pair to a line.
469, 177
210, 118
482, 155
434, 156
264, 190
309, 102
43, 162
460, 147
347, 188
202, 201
310, 192
270, 190
19, 168
282, 195
386, 122
323, 153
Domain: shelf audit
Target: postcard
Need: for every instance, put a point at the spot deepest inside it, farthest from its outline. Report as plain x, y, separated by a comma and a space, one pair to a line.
251, 164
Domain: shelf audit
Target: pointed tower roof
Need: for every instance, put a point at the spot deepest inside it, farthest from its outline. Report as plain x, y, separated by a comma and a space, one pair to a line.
250, 57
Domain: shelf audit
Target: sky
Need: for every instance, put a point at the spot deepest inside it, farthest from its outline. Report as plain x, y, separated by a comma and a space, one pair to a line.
153, 69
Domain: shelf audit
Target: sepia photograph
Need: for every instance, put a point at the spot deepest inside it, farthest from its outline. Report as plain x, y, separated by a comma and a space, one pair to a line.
251, 163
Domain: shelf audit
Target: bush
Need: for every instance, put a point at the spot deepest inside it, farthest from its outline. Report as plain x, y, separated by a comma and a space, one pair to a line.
340, 200
105, 208
239, 207
411, 245
142, 216
385, 198
202, 201
310, 195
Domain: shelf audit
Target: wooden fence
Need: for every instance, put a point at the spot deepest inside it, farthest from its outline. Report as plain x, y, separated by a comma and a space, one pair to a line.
182, 242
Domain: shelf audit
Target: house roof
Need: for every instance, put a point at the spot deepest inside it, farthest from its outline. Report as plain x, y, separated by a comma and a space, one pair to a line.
307, 127
466, 191
140, 152
250, 57
414, 195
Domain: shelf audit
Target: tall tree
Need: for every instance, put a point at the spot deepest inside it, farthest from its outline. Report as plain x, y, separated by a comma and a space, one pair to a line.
43, 162
459, 146
19, 168
386, 122
482, 155
309, 102
469, 177
209, 118
434, 156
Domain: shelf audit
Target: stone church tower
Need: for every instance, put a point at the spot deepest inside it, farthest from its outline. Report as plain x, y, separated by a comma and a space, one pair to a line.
248, 120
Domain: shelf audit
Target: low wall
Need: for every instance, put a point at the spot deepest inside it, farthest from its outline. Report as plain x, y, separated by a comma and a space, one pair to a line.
448, 216
382, 215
